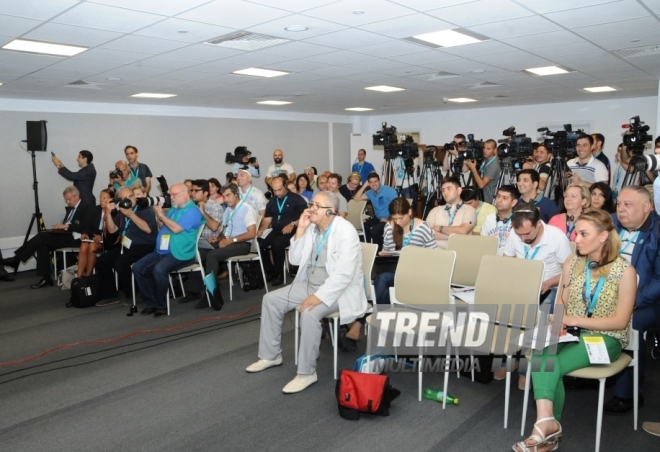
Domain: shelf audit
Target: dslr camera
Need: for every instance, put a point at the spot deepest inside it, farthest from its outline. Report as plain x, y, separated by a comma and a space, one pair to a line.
165, 200
122, 203
116, 174
237, 157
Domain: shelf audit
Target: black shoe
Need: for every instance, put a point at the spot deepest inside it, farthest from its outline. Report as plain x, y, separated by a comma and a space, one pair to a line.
148, 311
347, 344
216, 300
617, 405
269, 276
655, 351
277, 281
43, 283
12, 262
201, 304
160, 313
188, 298
7, 277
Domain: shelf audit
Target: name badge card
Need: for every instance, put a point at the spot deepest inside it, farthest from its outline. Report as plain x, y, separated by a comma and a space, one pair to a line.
596, 350
165, 242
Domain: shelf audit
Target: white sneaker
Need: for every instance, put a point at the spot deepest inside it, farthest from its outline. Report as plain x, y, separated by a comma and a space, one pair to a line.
264, 364
299, 383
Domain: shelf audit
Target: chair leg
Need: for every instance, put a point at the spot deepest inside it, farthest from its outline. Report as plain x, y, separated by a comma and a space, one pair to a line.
507, 393
168, 303
231, 280
171, 285
335, 325
445, 386
599, 421
525, 398
263, 274
183, 290
472, 365
133, 287
420, 376
295, 335
636, 388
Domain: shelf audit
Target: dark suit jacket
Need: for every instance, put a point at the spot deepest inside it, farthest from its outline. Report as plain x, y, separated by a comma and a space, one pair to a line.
646, 260
83, 218
83, 180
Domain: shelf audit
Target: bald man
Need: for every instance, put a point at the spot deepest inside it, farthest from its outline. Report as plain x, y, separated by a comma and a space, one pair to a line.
176, 246
118, 182
279, 167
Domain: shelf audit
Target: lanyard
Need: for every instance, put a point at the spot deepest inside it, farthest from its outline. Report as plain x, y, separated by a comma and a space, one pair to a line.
280, 207
70, 216
408, 238
618, 176
482, 170
319, 247
527, 250
136, 172
569, 229
102, 219
452, 215
588, 298
632, 240
502, 232
128, 221
481, 204
538, 201
230, 215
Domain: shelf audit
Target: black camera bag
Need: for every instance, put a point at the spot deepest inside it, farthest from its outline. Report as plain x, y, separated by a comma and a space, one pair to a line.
84, 292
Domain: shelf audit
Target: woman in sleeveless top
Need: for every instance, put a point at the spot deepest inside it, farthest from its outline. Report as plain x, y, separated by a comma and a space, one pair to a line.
598, 294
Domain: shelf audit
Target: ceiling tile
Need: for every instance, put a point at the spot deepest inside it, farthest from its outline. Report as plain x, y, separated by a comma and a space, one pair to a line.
556, 52
145, 44
341, 12
292, 5
233, 13
412, 25
110, 56
601, 14
255, 59
630, 41
391, 49
35, 9
106, 18
70, 34
516, 27
480, 48
82, 65
546, 6
543, 39
619, 28
347, 39
194, 31
168, 62
204, 52
16, 26
299, 49
465, 15
340, 57
425, 57
163, 7
426, 5
315, 27
28, 59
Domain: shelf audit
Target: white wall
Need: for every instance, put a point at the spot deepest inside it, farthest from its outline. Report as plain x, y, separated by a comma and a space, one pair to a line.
603, 116
178, 143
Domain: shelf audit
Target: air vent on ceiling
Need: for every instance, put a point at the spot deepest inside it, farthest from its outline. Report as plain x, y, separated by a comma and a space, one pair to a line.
244, 40
485, 85
632, 52
83, 85
435, 76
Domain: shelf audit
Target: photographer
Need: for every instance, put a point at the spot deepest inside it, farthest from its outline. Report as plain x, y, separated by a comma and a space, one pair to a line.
487, 175
138, 171
451, 152
247, 162
405, 179
84, 179
137, 229
175, 248
585, 168
119, 176
597, 151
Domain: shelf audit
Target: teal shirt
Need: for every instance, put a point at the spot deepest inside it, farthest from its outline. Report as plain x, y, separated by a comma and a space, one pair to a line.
182, 245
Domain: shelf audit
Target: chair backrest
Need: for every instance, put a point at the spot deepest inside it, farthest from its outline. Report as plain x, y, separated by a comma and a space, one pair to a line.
198, 257
369, 251
355, 211
509, 280
254, 246
469, 251
423, 275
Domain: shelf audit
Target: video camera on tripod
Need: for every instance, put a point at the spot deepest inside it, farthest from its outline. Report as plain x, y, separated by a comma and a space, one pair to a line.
635, 140
474, 150
407, 149
562, 142
237, 157
514, 150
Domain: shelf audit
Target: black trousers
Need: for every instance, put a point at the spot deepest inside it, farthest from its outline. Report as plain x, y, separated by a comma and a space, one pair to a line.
278, 243
121, 263
42, 244
374, 229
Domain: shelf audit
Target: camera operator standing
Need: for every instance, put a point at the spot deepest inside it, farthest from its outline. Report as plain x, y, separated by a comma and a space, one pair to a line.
279, 167
451, 152
138, 171
247, 162
486, 177
84, 179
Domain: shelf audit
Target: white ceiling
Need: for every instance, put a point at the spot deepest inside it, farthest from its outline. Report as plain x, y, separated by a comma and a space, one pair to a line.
330, 64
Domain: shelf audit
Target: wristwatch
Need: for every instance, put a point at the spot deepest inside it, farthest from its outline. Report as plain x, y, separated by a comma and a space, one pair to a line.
234, 239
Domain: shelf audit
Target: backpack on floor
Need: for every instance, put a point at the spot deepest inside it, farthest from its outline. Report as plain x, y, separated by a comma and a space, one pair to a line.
252, 277
367, 393
84, 292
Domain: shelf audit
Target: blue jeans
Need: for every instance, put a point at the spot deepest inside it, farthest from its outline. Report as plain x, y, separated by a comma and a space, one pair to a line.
550, 299
643, 319
152, 277
382, 285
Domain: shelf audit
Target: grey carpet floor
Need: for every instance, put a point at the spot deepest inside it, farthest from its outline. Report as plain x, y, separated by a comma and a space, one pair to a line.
186, 389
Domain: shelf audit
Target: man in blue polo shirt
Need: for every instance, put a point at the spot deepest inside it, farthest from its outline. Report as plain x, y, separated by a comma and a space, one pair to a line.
380, 196
175, 248
528, 184
362, 166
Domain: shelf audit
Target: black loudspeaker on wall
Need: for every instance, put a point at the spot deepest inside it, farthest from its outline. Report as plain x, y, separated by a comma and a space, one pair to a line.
37, 136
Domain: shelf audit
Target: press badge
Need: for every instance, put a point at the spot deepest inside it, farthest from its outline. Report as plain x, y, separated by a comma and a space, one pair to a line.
596, 350
165, 242
126, 242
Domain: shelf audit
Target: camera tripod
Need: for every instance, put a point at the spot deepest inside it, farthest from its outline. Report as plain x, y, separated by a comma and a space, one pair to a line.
557, 181
431, 181
507, 176
636, 172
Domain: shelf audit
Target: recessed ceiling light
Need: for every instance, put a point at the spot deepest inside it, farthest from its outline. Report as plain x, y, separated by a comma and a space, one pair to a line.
274, 102
154, 95
114, 79
448, 38
296, 28
548, 70
0, 83
384, 88
257, 72
358, 109
358, 12
461, 100
23, 45
600, 89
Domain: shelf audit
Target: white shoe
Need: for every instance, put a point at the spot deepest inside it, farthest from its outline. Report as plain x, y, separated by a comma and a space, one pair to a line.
299, 383
264, 364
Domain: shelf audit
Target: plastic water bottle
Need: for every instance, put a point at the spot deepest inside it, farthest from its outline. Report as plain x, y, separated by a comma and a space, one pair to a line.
432, 394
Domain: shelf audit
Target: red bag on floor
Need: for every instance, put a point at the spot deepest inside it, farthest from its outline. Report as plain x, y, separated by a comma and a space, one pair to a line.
367, 393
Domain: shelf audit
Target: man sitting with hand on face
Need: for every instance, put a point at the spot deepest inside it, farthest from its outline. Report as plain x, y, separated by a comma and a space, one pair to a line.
329, 280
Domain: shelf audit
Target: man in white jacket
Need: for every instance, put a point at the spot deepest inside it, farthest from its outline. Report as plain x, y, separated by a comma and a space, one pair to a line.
329, 280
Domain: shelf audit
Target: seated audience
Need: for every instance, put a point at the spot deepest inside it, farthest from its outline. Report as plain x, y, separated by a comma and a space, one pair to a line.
252, 195
601, 197
576, 201
334, 181
175, 248
455, 217
351, 187
302, 186
98, 234
380, 197
329, 280
214, 190
136, 229
78, 219
499, 224
528, 183
310, 172
320, 182
610, 292
470, 197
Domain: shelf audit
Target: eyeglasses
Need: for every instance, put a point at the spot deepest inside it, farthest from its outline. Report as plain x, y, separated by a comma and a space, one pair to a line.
313, 205
195, 190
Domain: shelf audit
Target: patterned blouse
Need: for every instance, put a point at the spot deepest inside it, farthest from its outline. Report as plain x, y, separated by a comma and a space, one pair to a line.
607, 301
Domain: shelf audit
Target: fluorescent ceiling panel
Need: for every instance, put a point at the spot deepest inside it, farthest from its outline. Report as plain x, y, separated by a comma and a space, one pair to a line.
154, 95
548, 70
48, 48
257, 72
274, 102
384, 88
600, 89
447, 38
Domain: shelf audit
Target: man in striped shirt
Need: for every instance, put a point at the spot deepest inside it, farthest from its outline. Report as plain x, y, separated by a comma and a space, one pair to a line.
586, 168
